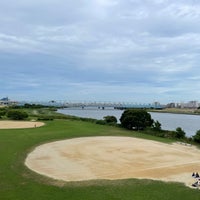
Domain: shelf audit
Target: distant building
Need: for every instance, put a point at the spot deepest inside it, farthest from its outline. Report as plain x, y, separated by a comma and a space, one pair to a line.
7, 102
192, 104
171, 105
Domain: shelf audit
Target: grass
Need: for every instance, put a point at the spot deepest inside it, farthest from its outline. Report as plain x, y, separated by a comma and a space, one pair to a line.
19, 183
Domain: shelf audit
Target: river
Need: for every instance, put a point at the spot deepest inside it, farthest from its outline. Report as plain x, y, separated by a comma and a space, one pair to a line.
189, 123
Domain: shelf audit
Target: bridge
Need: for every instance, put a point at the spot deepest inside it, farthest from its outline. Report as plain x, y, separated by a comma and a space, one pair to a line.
116, 105
97, 105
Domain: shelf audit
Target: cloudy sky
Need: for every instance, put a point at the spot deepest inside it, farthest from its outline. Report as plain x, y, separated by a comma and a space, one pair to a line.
100, 50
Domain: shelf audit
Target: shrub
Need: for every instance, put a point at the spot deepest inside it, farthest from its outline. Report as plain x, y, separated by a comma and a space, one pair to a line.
2, 113
156, 126
179, 133
196, 137
110, 119
45, 118
101, 122
17, 114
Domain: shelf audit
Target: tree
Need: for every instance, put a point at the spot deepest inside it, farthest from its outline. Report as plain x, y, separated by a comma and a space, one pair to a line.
156, 126
196, 137
17, 115
136, 119
2, 113
180, 133
110, 119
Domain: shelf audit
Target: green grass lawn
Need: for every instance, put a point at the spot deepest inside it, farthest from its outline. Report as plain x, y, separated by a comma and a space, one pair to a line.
19, 183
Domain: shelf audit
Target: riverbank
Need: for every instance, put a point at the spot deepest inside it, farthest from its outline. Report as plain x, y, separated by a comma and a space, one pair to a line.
186, 111
169, 120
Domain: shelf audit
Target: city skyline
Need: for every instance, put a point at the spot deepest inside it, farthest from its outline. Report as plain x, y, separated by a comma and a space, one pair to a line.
83, 103
100, 50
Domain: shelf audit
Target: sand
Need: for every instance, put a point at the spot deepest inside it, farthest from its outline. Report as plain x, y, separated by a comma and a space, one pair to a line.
8, 124
91, 158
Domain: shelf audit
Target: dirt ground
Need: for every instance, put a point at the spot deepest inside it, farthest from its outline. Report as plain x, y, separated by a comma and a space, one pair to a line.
7, 124
91, 158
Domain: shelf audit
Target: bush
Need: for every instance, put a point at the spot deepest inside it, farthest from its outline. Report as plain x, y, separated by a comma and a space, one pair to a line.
101, 122
2, 113
179, 133
196, 137
156, 126
17, 115
110, 119
45, 118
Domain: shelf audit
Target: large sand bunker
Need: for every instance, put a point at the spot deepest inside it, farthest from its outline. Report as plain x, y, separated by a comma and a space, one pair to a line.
7, 124
112, 158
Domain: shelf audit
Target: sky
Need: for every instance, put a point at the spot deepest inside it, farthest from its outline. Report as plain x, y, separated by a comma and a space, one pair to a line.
100, 50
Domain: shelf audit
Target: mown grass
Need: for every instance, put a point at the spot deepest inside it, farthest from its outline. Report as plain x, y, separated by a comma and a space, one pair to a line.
19, 183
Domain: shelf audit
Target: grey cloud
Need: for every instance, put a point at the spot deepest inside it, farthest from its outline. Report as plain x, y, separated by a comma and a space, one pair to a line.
150, 43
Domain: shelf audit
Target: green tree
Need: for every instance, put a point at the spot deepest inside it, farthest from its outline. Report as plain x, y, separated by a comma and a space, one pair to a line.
17, 114
136, 119
179, 133
196, 137
110, 119
2, 113
156, 126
